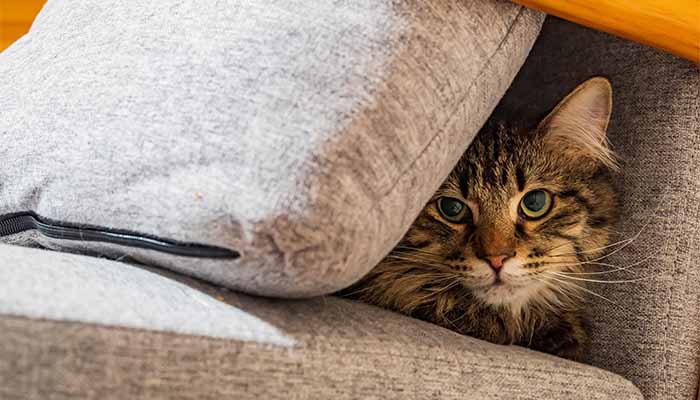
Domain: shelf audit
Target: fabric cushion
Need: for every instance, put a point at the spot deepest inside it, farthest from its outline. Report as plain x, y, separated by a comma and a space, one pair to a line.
44, 284
651, 335
277, 147
325, 348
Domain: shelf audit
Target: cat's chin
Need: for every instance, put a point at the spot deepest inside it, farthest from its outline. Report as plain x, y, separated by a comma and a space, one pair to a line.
506, 294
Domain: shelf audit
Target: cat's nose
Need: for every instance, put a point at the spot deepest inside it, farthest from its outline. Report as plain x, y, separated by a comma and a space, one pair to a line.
494, 245
496, 262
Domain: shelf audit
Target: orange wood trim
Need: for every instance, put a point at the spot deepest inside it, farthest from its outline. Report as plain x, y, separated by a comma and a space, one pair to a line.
13, 30
16, 17
20, 10
670, 25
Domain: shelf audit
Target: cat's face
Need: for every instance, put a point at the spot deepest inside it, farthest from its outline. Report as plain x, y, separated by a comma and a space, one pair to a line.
523, 209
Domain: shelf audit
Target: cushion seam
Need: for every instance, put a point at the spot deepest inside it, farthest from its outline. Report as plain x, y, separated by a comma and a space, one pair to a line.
454, 111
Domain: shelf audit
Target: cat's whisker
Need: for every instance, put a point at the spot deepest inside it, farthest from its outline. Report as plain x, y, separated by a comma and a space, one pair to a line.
445, 288
595, 280
411, 259
596, 250
545, 251
418, 261
560, 265
579, 287
563, 264
432, 278
559, 291
359, 290
626, 242
415, 255
616, 232
609, 271
454, 321
432, 293
409, 266
407, 249
425, 278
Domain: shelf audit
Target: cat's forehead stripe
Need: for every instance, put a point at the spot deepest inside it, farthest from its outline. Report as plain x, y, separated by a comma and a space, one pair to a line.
463, 179
520, 178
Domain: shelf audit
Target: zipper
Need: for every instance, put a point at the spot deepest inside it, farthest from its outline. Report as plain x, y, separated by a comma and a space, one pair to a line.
12, 224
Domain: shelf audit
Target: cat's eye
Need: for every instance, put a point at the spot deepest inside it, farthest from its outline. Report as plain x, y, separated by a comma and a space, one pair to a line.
452, 209
536, 204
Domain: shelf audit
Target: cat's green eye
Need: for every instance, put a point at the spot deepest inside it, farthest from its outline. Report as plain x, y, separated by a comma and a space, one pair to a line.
452, 209
536, 204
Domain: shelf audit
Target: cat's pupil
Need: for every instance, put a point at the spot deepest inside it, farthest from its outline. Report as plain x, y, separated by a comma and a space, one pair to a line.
535, 200
452, 207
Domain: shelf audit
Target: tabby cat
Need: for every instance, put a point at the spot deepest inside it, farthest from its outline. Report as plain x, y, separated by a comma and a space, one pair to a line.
499, 251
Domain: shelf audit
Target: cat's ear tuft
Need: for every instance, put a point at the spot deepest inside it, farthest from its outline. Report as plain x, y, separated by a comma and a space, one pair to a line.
578, 124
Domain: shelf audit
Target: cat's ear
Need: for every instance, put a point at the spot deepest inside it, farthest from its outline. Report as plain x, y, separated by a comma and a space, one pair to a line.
578, 124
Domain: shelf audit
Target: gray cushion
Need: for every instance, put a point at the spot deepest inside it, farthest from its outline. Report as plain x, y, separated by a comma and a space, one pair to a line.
304, 135
324, 348
652, 335
44, 284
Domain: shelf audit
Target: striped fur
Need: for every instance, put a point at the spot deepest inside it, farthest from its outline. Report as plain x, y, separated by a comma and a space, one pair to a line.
436, 272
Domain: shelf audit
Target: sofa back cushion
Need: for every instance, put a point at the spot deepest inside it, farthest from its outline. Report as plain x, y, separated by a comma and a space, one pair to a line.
277, 147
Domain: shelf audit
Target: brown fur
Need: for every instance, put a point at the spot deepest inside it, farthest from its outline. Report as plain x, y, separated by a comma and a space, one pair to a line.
439, 272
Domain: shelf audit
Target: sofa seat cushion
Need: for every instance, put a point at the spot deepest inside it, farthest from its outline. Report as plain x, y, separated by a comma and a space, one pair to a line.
275, 147
93, 328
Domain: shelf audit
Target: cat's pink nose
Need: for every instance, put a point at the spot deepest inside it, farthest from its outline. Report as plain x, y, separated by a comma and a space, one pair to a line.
496, 262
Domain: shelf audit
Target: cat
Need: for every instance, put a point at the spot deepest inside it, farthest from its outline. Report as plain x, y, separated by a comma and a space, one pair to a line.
499, 251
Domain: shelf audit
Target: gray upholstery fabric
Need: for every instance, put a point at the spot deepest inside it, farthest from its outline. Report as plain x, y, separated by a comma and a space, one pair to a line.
43, 284
304, 134
652, 335
324, 348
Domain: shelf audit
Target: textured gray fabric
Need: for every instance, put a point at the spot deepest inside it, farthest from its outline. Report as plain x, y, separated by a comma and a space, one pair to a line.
652, 335
342, 350
43, 284
305, 134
